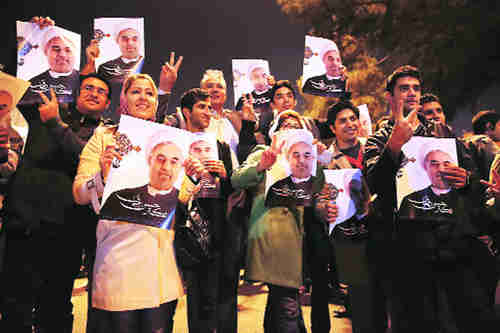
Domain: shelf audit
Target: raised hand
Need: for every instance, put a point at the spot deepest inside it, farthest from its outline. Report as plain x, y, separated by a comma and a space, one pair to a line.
92, 51
4, 138
107, 157
403, 128
169, 73
248, 113
271, 81
42, 22
215, 166
269, 156
455, 176
193, 167
49, 109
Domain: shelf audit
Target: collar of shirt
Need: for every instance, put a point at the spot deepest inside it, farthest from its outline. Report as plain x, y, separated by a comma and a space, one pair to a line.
438, 191
56, 75
128, 61
153, 192
332, 77
300, 180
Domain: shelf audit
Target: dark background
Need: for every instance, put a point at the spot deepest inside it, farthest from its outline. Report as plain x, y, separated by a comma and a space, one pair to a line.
207, 33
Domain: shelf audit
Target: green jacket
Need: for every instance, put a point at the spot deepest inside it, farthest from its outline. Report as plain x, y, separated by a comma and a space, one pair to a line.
275, 235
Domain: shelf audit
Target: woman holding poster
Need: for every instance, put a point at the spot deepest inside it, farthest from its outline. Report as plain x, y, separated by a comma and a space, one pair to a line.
136, 283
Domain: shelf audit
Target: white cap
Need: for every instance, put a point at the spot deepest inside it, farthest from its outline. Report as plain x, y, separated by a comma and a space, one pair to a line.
14, 86
165, 136
294, 136
329, 46
124, 25
434, 145
255, 66
54, 32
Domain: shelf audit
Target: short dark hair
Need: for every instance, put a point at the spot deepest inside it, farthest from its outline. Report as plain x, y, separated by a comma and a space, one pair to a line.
193, 96
481, 121
334, 110
428, 98
400, 72
281, 84
96, 76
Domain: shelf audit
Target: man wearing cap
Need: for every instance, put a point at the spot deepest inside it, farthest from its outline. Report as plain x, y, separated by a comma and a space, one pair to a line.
333, 83
129, 40
261, 95
150, 204
61, 76
41, 215
397, 260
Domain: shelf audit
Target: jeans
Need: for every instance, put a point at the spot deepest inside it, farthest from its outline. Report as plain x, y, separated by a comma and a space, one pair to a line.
152, 320
283, 313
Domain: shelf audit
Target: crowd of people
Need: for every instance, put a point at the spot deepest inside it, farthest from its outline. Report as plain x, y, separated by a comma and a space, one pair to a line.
434, 272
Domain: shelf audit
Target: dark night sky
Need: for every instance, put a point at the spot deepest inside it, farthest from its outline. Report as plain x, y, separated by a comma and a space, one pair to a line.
207, 33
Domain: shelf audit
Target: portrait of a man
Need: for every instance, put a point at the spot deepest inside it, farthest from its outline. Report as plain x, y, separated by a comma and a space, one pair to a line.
154, 203
300, 157
331, 82
436, 201
61, 54
257, 73
128, 36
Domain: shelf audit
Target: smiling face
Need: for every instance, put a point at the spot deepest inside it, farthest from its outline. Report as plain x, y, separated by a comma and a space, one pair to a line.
93, 98
434, 111
129, 42
60, 55
346, 128
141, 99
6, 102
300, 158
435, 162
165, 165
217, 92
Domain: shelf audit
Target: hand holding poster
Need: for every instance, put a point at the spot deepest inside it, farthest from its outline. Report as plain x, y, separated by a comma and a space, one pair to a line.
323, 72
289, 182
203, 147
423, 192
251, 80
49, 58
344, 188
143, 187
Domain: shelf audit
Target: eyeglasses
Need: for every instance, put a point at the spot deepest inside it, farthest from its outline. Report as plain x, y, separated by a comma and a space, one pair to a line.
90, 89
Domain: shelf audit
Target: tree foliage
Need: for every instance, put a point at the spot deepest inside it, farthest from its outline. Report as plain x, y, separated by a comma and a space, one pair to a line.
453, 42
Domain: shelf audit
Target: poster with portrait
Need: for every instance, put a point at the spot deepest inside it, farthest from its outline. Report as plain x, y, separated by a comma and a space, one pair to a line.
323, 68
143, 186
50, 59
121, 45
422, 192
250, 78
203, 147
365, 121
289, 181
344, 187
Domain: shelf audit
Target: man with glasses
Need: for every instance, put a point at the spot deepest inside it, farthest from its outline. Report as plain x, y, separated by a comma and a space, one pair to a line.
45, 229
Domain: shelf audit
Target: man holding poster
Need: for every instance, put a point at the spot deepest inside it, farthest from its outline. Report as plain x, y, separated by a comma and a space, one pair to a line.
414, 308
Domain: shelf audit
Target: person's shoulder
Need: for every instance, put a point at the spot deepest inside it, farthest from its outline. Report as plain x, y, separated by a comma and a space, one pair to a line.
39, 77
129, 192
